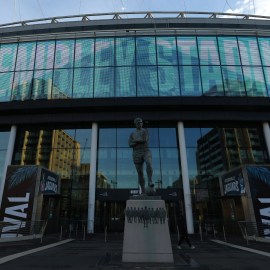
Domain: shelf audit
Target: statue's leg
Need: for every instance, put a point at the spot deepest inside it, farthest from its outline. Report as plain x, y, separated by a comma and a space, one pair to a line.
139, 168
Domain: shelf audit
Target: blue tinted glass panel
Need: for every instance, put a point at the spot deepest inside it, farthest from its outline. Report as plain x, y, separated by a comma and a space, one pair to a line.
104, 82
26, 56
106, 171
156, 165
4, 138
167, 137
212, 81
107, 137
228, 49
249, 51
147, 81
254, 80
62, 83
267, 78
264, 45
123, 136
125, 51
190, 80
64, 54
153, 135
125, 82
104, 52
8, 54
187, 51
84, 53
22, 85
170, 170
168, 78
83, 83
45, 55
166, 51
233, 81
192, 135
146, 51
126, 171
208, 51
6, 80
42, 84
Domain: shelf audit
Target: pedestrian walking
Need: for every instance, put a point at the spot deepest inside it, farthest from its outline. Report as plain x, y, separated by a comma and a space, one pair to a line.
182, 228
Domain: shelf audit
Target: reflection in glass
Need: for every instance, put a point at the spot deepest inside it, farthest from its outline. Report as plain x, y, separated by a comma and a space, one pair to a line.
62, 83
168, 77
42, 84
83, 83
147, 81
26, 56
45, 55
64, 53
8, 57
190, 80
107, 137
6, 85
167, 137
22, 85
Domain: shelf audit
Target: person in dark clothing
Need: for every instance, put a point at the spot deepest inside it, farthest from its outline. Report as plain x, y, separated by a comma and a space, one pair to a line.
182, 227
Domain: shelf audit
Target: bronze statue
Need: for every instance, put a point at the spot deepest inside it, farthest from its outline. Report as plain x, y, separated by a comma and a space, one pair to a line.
138, 140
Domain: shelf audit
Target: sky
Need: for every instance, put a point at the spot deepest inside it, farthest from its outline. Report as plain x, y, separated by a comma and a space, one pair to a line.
21, 10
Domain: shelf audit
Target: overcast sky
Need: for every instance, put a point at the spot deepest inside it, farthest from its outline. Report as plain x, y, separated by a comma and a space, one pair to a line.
18, 10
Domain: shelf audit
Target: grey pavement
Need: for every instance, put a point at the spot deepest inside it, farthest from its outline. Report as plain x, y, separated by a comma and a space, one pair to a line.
96, 253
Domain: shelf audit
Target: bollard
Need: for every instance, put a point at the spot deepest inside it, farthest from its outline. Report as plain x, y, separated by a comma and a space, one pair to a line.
200, 230
76, 229
224, 234
105, 234
246, 235
61, 232
84, 232
214, 231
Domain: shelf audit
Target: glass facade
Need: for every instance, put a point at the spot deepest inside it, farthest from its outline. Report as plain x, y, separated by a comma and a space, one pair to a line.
65, 152
115, 164
4, 137
135, 67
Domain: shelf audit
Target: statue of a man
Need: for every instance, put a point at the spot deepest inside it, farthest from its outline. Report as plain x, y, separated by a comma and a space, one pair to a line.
138, 140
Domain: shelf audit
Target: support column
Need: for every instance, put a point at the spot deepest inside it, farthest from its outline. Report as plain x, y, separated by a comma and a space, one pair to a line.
266, 131
92, 179
9, 154
185, 178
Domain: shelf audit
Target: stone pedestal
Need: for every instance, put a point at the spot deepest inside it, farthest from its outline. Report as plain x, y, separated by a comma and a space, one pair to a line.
146, 234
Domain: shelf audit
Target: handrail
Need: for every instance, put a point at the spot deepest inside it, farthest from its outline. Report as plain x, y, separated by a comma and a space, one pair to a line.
146, 15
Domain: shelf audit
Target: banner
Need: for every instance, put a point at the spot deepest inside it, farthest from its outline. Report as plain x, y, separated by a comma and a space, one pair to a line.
18, 199
49, 182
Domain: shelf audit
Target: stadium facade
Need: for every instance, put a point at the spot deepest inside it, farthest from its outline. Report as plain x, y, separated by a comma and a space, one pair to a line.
71, 87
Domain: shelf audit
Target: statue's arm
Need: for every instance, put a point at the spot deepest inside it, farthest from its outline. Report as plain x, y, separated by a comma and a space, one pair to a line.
131, 141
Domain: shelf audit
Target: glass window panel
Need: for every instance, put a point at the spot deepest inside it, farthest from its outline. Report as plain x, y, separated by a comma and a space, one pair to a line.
104, 82
125, 84
64, 54
123, 136
104, 52
192, 162
208, 51
233, 81
107, 137
228, 49
26, 56
187, 51
264, 45
126, 171
190, 79
8, 54
166, 51
167, 137
4, 138
2, 163
156, 167
83, 83
170, 170
192, 135
147, 81
168, 78
254, 80
125, 51
146, 51
249, 51
62, 83
6, 80
153, 136
212, 80
45, 55
267, 78
84, 52
42, 84
22, 85
106, 171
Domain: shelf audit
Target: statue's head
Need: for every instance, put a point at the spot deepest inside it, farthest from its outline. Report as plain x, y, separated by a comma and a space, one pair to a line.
138, 122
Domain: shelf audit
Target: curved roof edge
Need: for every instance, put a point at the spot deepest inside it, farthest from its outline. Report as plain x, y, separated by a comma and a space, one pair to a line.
132, 23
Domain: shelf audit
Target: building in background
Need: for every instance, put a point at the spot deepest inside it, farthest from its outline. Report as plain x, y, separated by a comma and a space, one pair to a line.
69, 92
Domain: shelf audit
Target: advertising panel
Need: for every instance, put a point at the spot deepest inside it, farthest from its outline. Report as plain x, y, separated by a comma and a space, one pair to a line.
259, 181
18, 199
49, 182
233, 183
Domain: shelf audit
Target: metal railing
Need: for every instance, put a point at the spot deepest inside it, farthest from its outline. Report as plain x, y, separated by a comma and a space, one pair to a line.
22, 230
134, 15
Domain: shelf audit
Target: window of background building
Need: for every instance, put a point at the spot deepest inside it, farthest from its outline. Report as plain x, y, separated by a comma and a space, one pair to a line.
4, 137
